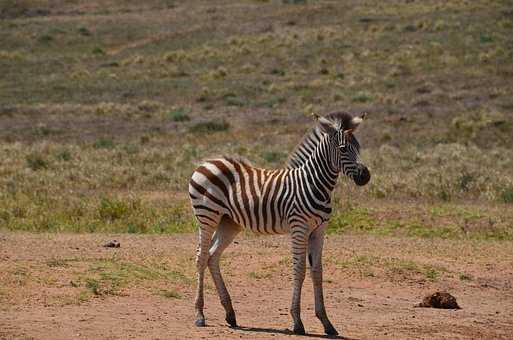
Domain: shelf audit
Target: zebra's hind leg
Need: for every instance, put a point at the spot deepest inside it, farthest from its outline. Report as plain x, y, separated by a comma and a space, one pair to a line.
205, 236
223, 237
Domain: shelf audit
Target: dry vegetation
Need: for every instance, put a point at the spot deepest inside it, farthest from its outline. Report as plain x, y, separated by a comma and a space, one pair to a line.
107, 106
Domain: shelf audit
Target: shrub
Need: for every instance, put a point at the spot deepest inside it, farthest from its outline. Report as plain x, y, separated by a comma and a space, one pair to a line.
507, 195
179, 115
63, 155
104, 143
210, 126
362, 98
98, 51
45, 38
36, 162
112, 209
84, 31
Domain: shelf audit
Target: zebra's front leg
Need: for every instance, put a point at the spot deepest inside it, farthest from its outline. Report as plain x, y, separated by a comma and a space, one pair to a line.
315, 244
299, 244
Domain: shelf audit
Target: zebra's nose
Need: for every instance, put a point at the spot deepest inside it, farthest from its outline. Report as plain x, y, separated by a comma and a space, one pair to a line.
363, 176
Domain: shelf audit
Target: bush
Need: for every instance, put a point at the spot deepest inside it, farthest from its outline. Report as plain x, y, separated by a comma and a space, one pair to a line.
64, 155
210, 126
179, 115
36, 162
507, 195
112, 209
104, 143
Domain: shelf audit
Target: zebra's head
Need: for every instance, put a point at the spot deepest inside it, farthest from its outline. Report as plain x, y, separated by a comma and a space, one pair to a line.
345, 150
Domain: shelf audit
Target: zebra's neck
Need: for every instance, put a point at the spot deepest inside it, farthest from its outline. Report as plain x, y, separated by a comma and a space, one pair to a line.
304, 150
319, 169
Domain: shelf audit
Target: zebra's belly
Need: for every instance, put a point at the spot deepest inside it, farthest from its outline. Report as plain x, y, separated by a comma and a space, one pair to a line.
261, 224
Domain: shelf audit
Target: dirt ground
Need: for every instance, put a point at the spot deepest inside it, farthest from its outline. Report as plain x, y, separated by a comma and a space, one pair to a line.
371, 286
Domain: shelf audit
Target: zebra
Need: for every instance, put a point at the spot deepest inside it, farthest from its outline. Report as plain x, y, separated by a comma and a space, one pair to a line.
228, 194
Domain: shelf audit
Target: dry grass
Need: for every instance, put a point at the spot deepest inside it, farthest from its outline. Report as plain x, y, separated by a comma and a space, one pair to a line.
116, 102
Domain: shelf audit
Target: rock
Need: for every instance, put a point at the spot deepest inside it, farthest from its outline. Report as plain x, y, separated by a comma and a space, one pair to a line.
112, 244
442, 300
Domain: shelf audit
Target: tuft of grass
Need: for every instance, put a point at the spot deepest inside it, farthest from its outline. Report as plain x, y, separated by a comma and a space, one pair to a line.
84, 31
362, 98
103, 143
506, 195
35, 161
170, 294
64, 155
57, 263
98, 51
259, 276
179, 115
112, 209
45, 38
466, 277
210, 126
355, 219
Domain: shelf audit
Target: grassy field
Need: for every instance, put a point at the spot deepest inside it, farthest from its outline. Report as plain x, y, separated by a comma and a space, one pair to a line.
106, 107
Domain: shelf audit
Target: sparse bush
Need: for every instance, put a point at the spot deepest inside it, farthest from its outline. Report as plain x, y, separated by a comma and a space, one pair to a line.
234, 101
131, 149
104, 143
485, 38
112, 209
35, 161
210, 126
84, 31
507, 195
64, 155
179, 115
45, 38
362, 98
98, 51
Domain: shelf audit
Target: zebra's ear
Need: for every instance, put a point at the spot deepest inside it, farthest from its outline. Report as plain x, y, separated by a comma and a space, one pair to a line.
356, 121
326, 125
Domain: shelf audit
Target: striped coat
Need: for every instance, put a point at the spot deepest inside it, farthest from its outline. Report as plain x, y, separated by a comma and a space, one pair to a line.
228, 194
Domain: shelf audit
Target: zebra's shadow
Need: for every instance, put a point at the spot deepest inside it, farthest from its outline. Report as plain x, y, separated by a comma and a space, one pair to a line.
287, 332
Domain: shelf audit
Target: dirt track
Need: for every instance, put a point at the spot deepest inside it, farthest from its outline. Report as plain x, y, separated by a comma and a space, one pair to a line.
372, 285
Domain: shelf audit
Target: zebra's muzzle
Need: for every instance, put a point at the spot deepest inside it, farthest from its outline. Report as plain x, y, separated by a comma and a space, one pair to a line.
363, 176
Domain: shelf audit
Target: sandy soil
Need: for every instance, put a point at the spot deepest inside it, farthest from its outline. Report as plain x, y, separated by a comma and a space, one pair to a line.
372, 284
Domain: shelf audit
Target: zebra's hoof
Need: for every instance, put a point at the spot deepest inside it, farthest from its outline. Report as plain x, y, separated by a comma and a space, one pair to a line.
200, 323
299, 329
330, 330
232, 321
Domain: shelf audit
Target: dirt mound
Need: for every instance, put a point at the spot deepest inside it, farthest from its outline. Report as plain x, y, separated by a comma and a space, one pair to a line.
439, 300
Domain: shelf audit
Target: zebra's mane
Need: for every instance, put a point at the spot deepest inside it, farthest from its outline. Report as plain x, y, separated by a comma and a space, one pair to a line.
311, 139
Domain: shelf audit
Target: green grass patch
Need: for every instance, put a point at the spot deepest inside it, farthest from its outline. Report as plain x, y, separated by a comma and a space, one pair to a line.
110, 276
170, 294
179, 115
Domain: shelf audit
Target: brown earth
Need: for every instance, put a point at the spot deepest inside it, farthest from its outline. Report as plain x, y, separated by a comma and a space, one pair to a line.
371, 285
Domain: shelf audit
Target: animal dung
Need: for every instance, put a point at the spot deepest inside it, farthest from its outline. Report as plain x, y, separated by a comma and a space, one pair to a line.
112, 244
442, 300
